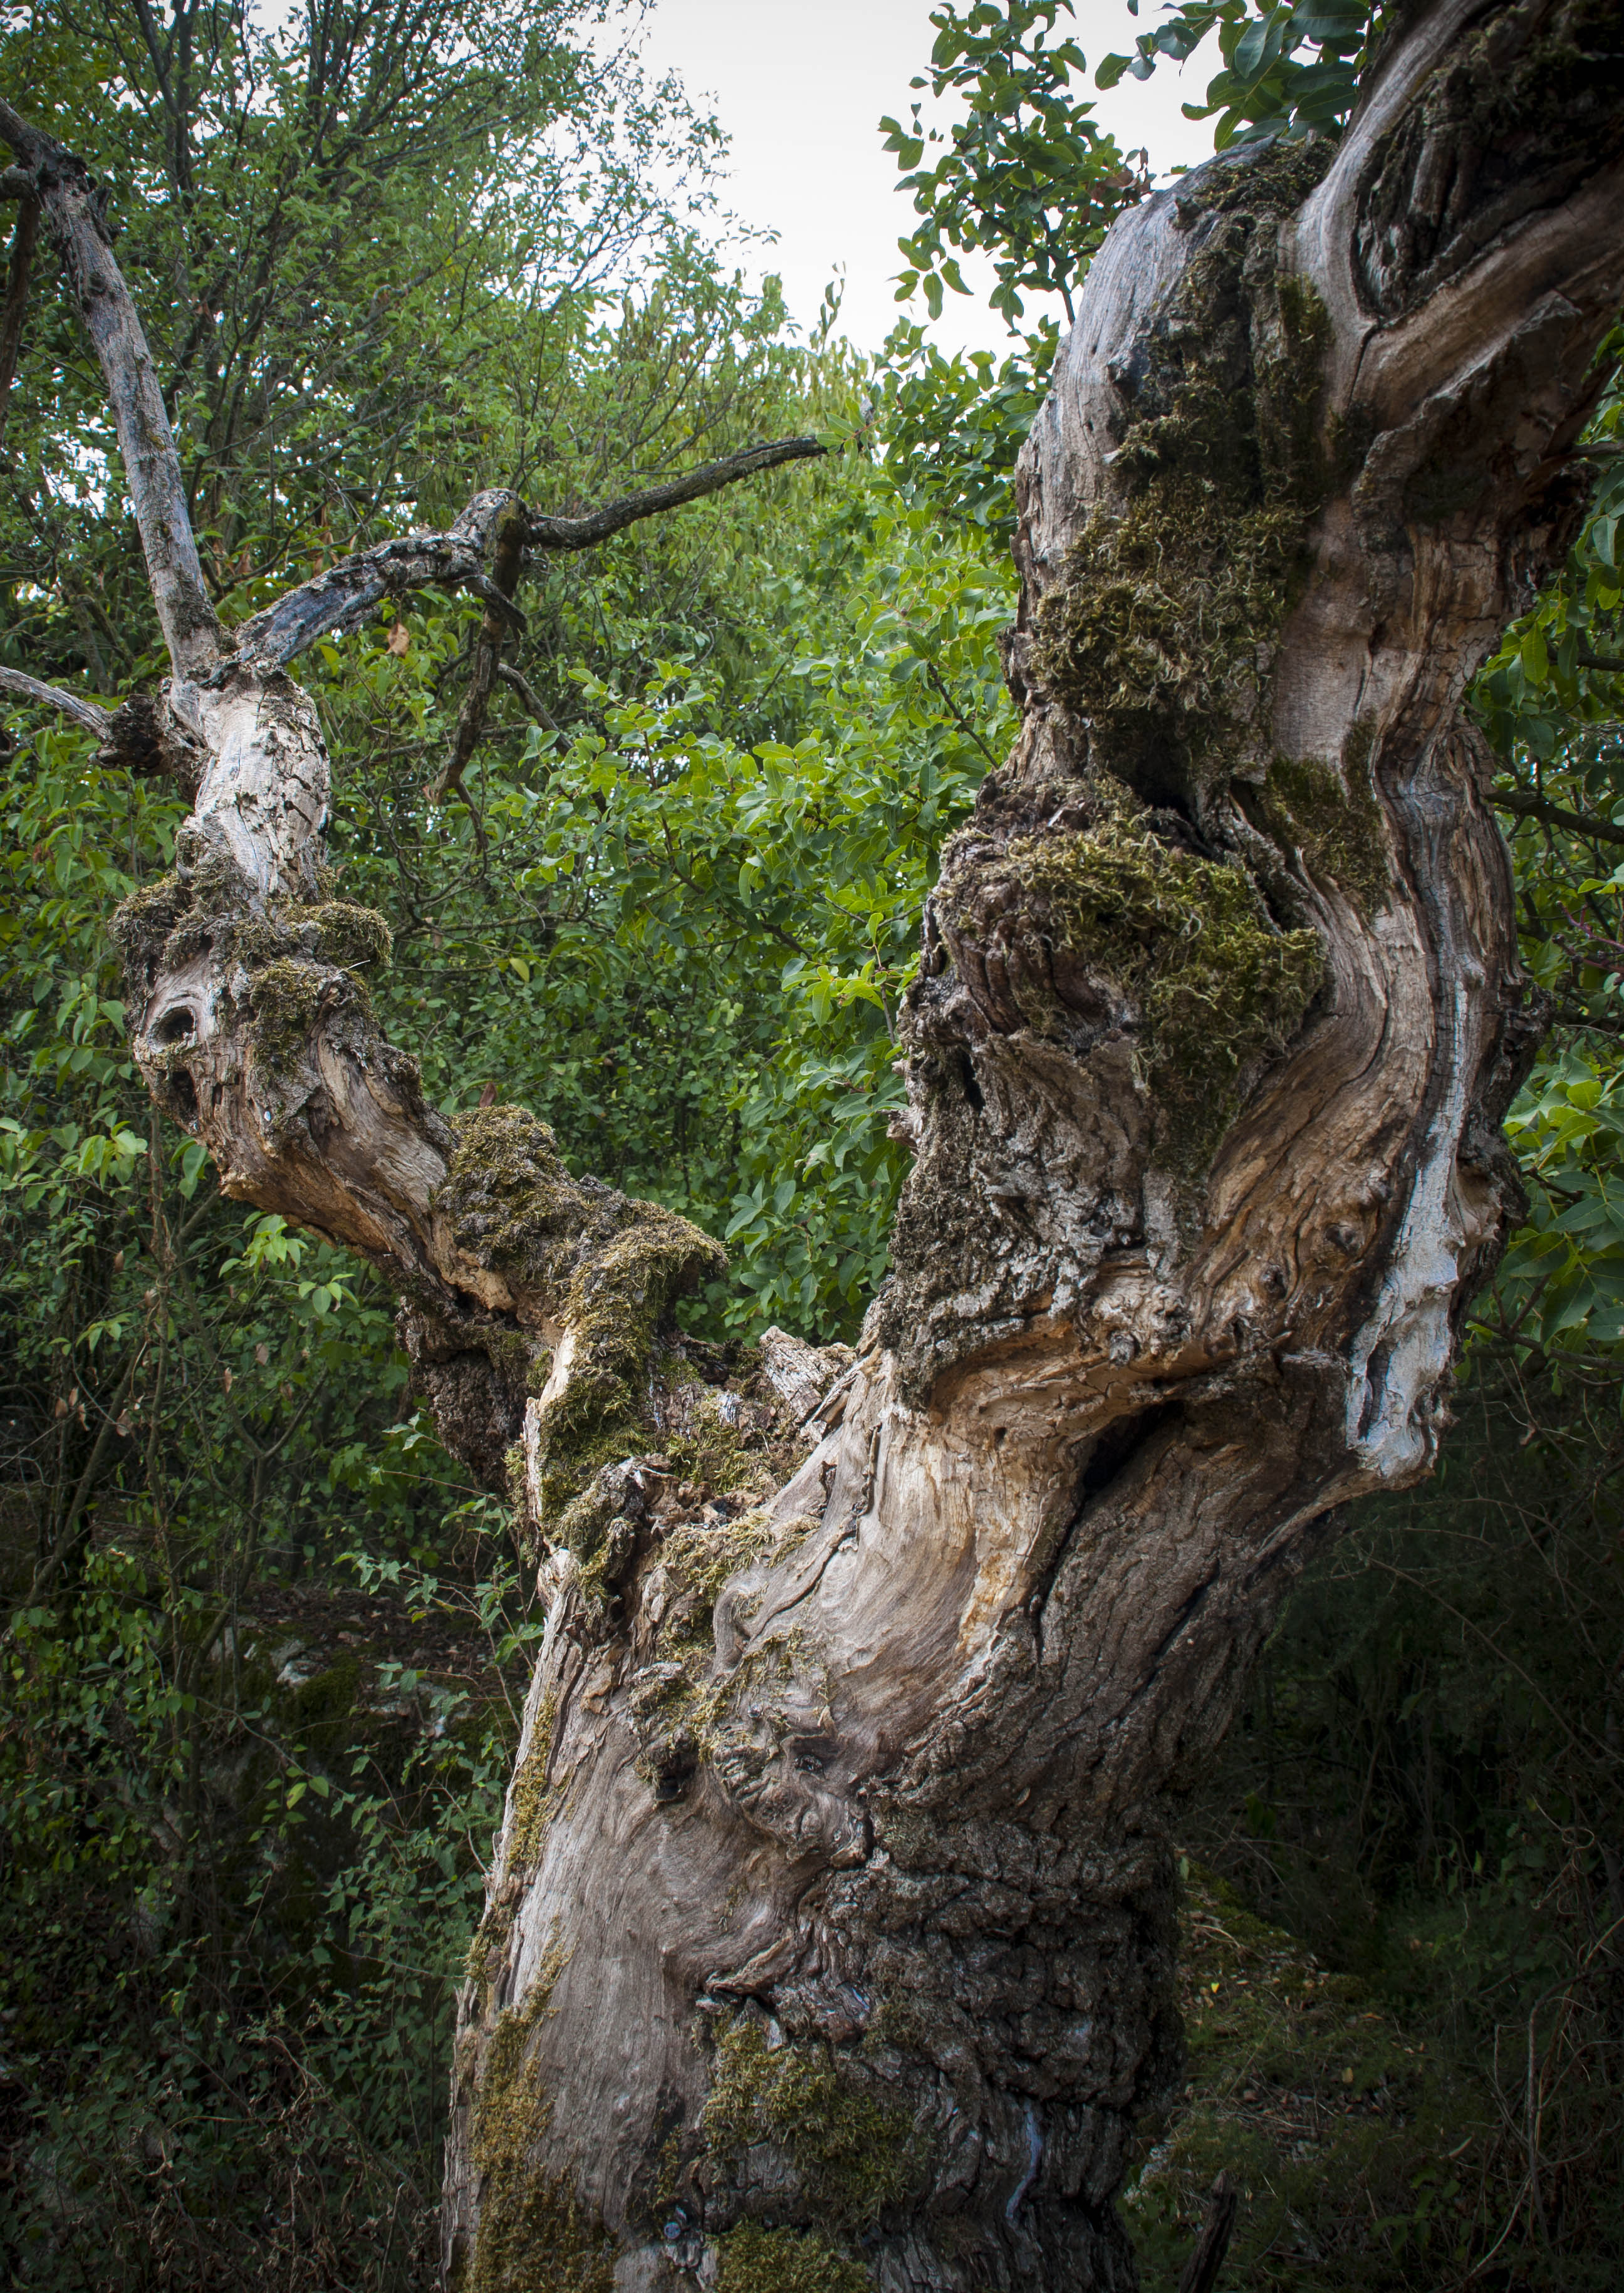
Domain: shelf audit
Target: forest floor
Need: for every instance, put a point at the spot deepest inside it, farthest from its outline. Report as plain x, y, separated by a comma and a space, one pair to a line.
1343, 2137
1348, 2142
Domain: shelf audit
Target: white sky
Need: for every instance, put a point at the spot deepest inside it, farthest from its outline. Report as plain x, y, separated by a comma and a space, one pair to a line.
801, 86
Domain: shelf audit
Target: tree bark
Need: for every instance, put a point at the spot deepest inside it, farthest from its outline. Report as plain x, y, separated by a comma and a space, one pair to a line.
828, 1939
1220, 1011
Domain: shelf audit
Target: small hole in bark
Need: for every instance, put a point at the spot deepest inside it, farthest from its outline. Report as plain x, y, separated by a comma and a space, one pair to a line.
183, 1097
972, 1088
1117, 1444
177, 1026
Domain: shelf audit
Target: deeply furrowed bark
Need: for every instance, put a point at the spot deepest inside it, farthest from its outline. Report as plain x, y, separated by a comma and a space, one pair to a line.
829, 1938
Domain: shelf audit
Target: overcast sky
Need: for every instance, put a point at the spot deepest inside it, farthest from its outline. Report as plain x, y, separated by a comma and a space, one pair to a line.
801, 86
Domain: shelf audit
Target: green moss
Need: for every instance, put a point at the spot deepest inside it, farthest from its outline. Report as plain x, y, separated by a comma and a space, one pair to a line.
1215, 983
348, 938
607, 1267
142, 923
751, 2260
1160, 631
1340, 831
509, 1199
531, 1803
1271, 179
701, 1557
678, 1707
712, 1451
285, 998
1152, 635
534, 2235
353, 937
617, 1299
217, 885
852, 2153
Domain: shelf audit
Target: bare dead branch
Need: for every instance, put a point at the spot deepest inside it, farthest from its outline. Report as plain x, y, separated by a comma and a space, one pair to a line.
342, 597
72, 205
598, 524
52, 696
533, 707
510, 532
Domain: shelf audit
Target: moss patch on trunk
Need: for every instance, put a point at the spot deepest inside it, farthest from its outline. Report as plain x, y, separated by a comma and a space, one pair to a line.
1160, 632
1216, 983
751, 2259
534, 2235
852, 2152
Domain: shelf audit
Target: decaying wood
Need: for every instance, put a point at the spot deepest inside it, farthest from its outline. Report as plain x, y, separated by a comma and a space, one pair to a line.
1199, 2273
829, 1933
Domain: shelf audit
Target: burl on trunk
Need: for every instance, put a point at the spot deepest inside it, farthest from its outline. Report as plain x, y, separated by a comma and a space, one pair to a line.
830, 1937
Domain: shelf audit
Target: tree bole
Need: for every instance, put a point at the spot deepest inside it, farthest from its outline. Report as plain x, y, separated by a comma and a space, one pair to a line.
1220, 1011
830, 1933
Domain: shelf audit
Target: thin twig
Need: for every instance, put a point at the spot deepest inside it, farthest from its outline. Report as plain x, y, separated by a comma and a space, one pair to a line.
1528, 807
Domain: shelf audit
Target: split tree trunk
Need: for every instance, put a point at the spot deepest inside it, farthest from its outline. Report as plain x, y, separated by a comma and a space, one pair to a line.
830, 1936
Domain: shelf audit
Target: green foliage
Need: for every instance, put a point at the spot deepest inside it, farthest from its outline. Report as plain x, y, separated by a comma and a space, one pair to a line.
954, 426
1334, 2121
1287, 69
1027, 176
682, 925
240, 1855
1548, 701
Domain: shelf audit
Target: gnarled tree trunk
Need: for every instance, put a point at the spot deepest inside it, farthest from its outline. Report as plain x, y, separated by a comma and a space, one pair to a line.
830, 1936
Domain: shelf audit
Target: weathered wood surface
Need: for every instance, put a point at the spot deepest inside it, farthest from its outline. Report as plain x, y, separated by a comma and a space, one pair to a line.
1219, 1013
834, 1894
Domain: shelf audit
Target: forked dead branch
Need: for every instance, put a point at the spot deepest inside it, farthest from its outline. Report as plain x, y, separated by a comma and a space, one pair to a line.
830, 1933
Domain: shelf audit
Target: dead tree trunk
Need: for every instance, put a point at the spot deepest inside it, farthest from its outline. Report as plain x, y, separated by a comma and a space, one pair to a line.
830, 1937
